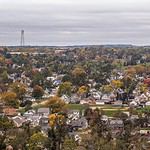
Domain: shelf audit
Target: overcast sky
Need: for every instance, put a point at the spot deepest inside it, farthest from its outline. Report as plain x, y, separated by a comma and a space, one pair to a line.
75, 22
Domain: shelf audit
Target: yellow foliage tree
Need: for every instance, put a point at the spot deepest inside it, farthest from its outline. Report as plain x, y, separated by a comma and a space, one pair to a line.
19, 89
78, 71
107, 88
37, 141
10, 99
56, 119
55, 104
131, 71
82, 90
79, 76
116, 84
143, 88
140, 69
2, 60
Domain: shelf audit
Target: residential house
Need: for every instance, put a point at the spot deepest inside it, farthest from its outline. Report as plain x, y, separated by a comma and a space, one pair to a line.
10, 111
105, 98
143, 98
34, 120
133, 104
80, 123
29, 113
44, 123
147, 103
43, 111
18, 120
73, 115
117, 103
65, 98
116, 124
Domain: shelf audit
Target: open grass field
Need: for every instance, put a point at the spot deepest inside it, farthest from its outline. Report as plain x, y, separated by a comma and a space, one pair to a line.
108, 110
76, 107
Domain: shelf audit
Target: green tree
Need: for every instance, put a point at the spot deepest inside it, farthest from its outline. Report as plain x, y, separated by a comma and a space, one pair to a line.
69, 144
38, 79
4, 77
5, 125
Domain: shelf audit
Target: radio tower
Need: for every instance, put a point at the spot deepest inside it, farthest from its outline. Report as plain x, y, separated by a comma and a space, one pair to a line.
22, 38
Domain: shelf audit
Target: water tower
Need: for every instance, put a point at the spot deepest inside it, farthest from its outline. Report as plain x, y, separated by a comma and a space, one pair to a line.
22, 38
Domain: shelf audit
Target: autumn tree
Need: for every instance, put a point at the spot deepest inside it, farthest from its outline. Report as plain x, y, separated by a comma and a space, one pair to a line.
20, 140
4, 77
79, 76
3, 87
55, 119
100, 137
130, 71
82, 91
2, 60
143, 88
37, 92
19, 89
55, 104
106, 89
37, 141
129, 84
57, 131
65, 88
88, 113
10, 99
5, 125
116, 84
140, 69
69, 144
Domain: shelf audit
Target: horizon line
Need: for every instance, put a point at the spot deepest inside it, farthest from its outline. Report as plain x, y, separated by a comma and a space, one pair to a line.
74, 45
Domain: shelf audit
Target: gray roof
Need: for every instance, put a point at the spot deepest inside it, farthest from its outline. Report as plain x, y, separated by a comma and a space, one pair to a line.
82, 122
43, 110
116, 122
19, 120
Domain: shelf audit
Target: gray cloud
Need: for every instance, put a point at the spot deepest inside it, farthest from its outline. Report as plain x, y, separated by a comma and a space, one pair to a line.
69, 22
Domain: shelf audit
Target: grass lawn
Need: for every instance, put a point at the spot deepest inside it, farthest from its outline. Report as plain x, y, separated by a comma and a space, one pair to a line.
76, 106
107, 107
110, 113
108, 110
